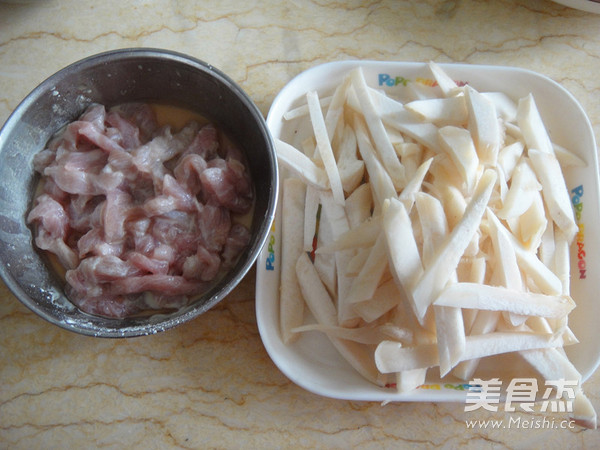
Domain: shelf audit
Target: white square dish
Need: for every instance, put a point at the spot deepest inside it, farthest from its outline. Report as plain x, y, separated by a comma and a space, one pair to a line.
312, 362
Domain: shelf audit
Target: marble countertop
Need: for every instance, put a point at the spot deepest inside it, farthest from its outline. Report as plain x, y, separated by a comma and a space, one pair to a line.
210, 383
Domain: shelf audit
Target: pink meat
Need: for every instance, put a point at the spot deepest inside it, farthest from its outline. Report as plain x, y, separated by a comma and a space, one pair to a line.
51, 188
214, 225
225, 182
92, 161
152, 159
237, 240
173, 198
141, 217
179, 232
107, 305
185, 200
128, 134
72, 181
205, 143
188, 170
147, 264
95, 114
85, 212
145, 244
99, 138
43, 159
105, 268
94, 243
116, 211
92, 275
142, 116
163, 252
51, 216
64, 252
203, 266
171, 284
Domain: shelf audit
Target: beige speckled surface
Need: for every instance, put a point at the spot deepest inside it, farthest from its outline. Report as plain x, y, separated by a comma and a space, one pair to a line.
210, 383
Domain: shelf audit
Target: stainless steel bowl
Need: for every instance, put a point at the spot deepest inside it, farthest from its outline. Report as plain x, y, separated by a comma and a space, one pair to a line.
112, 78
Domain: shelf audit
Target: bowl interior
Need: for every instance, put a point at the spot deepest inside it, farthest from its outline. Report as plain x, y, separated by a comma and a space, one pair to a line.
114, 78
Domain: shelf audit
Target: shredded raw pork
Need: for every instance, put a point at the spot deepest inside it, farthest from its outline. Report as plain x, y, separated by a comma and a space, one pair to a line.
141, 217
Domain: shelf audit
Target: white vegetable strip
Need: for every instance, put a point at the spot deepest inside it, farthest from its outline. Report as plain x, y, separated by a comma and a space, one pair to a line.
358, 205
382, 185
336, 108
364, 285
532, 127
311, 206
351, 168
450, 333
497, 298
315, 294
302, 110
547, 246
300, 164
442, 111
446, 84
424, 133
411, 154
414, 186
347, 316
433, 225
507, 268
583, 410
386, 297
370, 335
336, 215
291, 301
483, 125
324, 147
485, 322
552, 364
387, 108
562, 261
320, 304
567, 158
509, 156
543, 277
524, 186
392, 357
555, 192
533, 223
403, 254
506, 108
454, 203
458, 144
380, 138
357, 261
362, 235
325, 264
408, 380
437, 275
